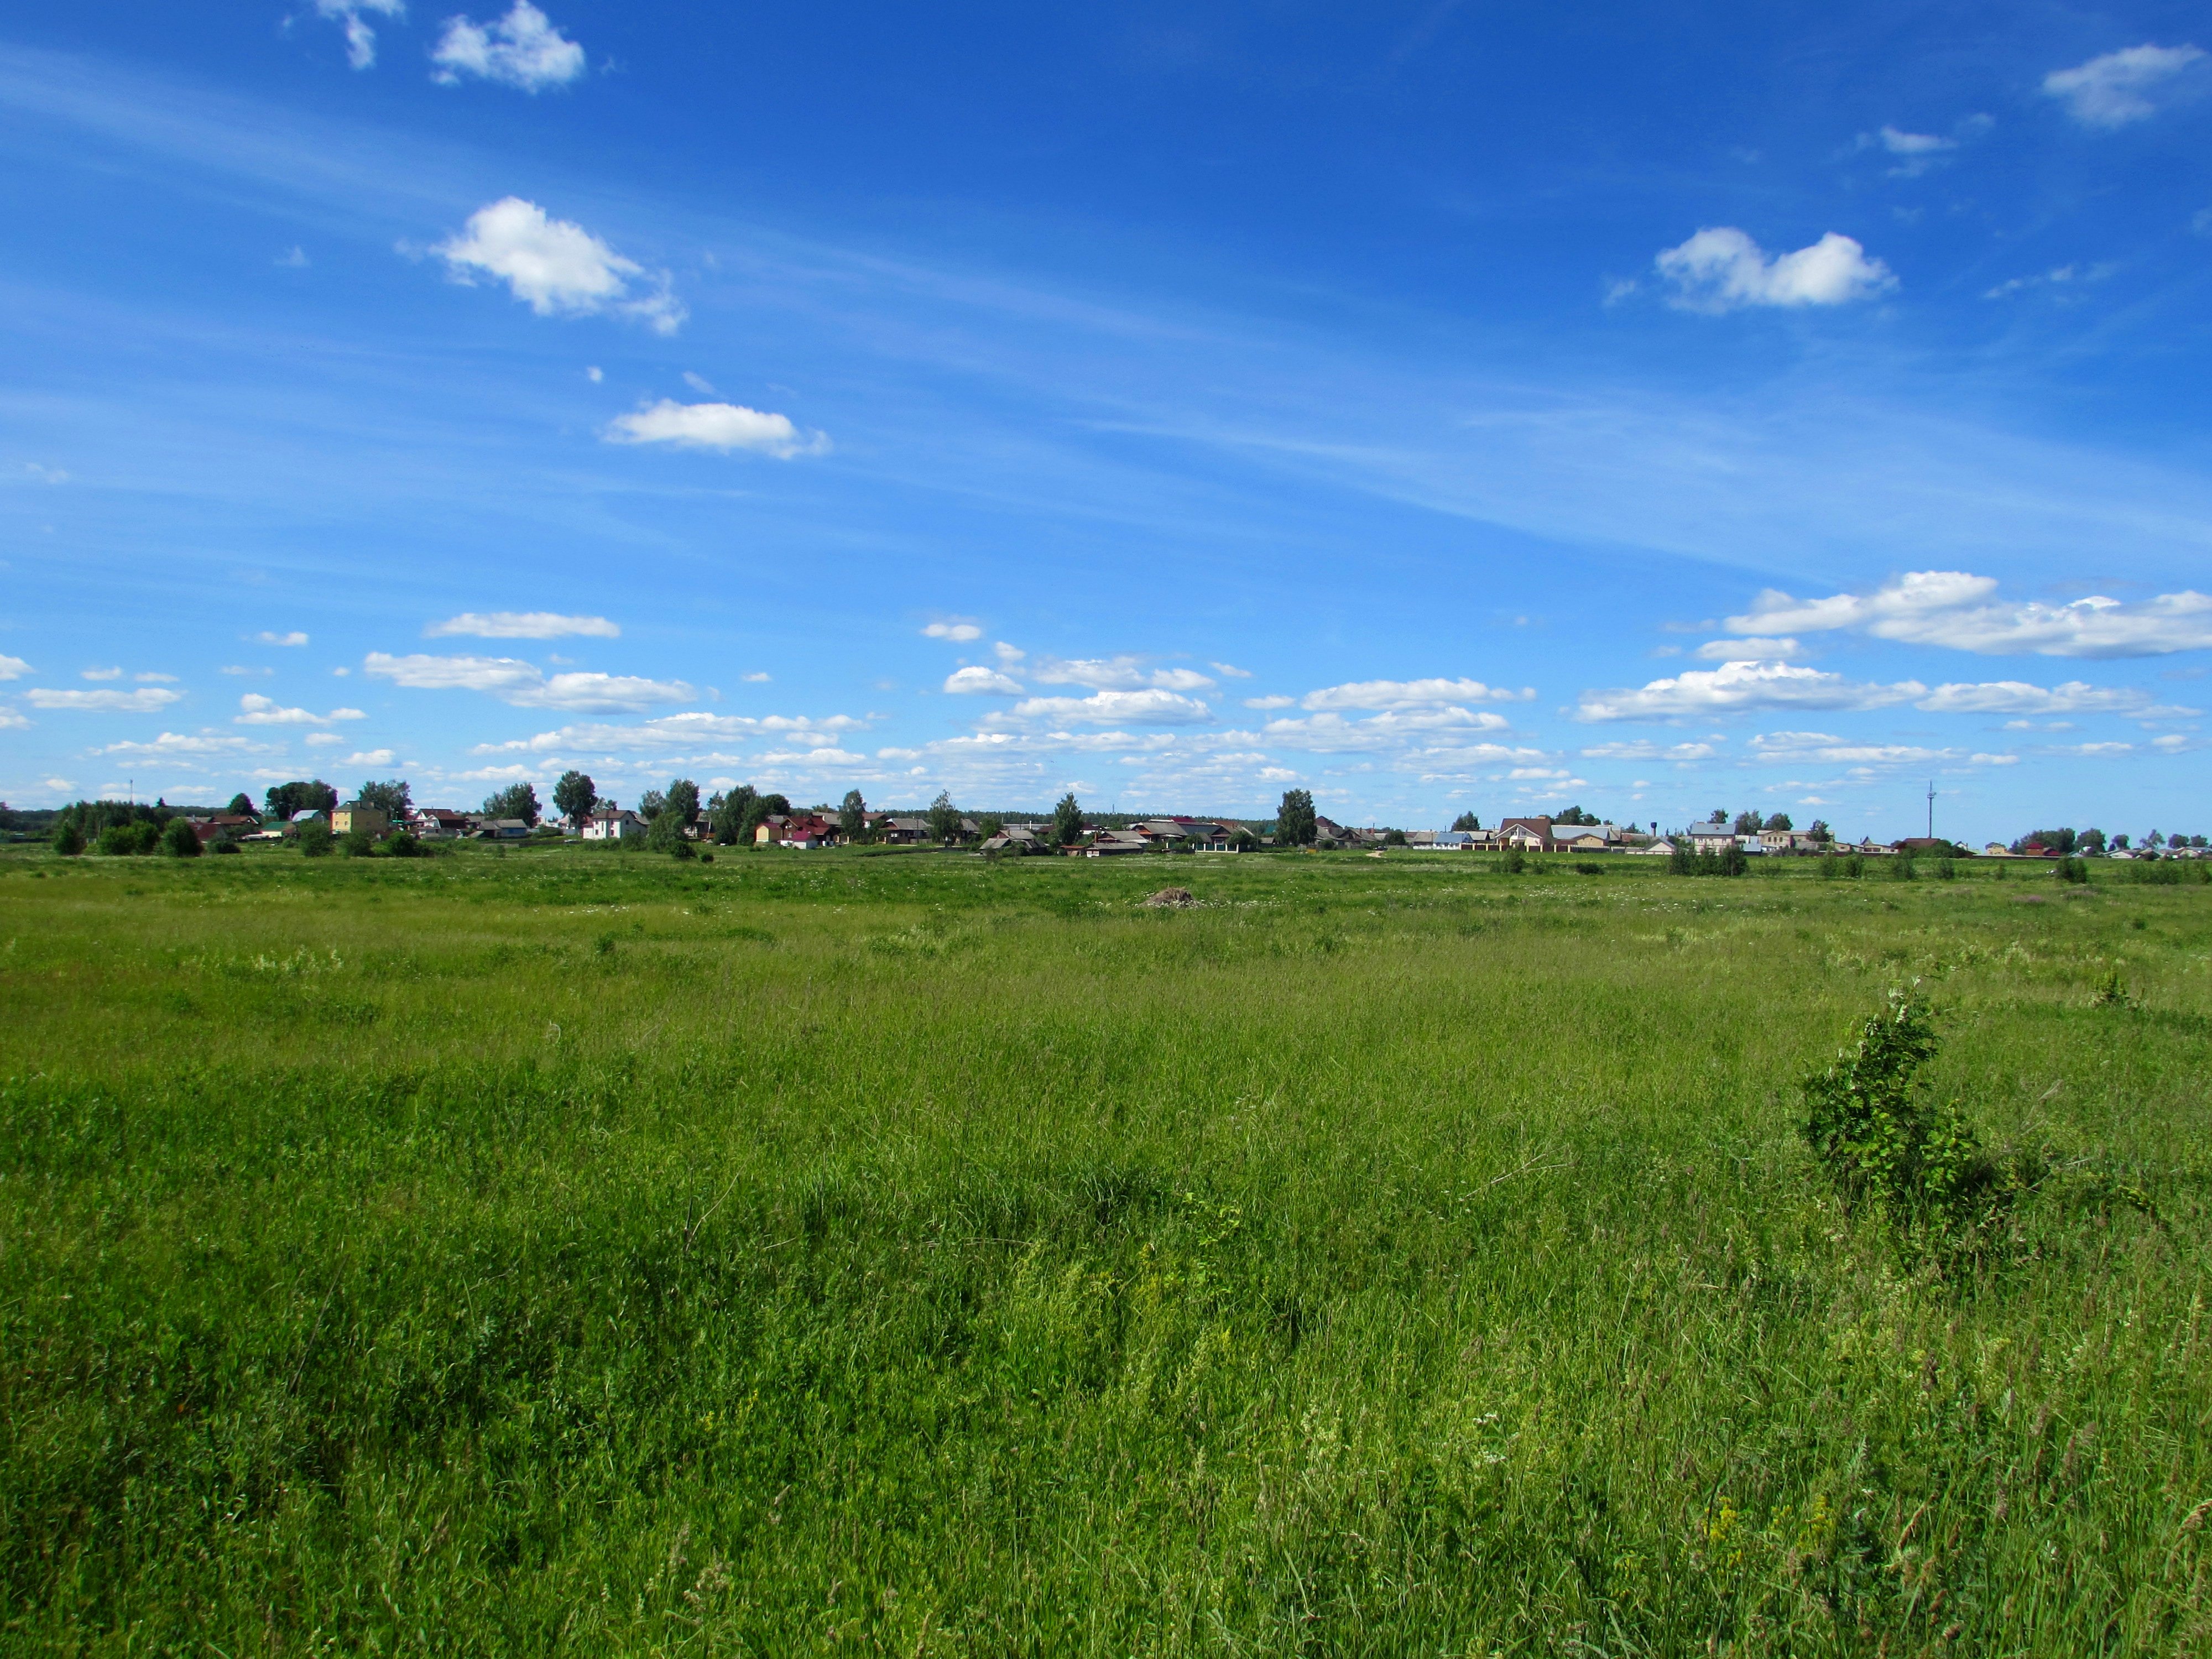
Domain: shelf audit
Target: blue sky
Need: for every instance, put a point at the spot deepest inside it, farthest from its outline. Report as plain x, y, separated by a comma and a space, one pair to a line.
1435, 406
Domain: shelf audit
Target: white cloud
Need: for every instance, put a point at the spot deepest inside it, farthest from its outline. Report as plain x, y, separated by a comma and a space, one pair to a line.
368, 757
1122, 673
155, 679
957, 630
982, 682
267, 637
1913, 143
761, 677
99, 674
724, 427
257, 710
686, 731
13, 668
522, 625
361, 39
1787, 747
1767, 650
556, 267
1330, 733
51, 475
525, 685
1270, 702
1950, 608
1649, 751
522, 49
324, 739
699, 383
1230, 672
12, 721
594, 374
1408, 694
147, 700
1009, 654
174, 745
1721, 268
234, 668
1147, 708
1741, 685
2018, 697
2062, 277
295, 259
2120, 87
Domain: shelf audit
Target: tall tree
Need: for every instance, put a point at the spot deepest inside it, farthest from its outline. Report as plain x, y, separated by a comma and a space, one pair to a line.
1747, 823
1295, 824
1778, 821
1068, 820
516, 800
1467, 821
311, 796
683, 800
575, 795
391, 797
731, 812
853, 816
944, 818
241, 803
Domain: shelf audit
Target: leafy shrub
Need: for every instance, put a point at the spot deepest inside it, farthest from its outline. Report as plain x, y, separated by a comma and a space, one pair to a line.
1947, 870
357, 843
2168, 872
2073, 870
1900, 867
1684, 862
314, 840
68, 840
1513, 862
123, 840
1885, 1144
401, 845
1586, 868
180, 841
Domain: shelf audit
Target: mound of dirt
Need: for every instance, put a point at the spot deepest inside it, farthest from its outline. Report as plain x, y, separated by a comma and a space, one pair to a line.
1171, 898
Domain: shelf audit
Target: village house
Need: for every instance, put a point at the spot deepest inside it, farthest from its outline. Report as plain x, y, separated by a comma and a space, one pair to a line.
225, 826
1530, 834
372, 821
613, 823
438, 823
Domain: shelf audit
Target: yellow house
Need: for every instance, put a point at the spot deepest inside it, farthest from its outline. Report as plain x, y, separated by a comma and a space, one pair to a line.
352, 816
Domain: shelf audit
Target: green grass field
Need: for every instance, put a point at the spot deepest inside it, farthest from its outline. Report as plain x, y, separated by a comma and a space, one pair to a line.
587, 1253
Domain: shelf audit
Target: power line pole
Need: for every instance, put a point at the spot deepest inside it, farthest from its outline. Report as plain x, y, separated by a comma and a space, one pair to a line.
1931, 809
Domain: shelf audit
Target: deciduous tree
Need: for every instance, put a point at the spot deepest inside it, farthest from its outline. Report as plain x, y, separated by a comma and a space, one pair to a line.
1295, 824
575, 795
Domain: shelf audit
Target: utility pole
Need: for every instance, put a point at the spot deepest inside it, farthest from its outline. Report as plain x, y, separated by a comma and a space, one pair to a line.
1931, 809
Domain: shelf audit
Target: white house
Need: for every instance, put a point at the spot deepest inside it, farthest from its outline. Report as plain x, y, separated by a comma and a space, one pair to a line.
613, 823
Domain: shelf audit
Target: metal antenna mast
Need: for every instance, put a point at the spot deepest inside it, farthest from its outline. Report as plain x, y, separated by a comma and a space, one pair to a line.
1931, 809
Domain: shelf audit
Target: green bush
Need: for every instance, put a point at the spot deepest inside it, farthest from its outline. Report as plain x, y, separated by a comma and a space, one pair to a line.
180, 841
68, 840
2072, 870
401, 845
357, 843
1885, 1144
314, 840
1513, 862
126, 840
1900, 867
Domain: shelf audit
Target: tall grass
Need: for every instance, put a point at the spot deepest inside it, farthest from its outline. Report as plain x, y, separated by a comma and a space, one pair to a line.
559, 1253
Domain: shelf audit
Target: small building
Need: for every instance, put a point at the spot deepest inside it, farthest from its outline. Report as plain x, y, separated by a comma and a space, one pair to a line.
1714, 837
1659, 848
613, 823
500, 828
371, 821
901, 832
225, 826
1109, 843
1530, 834
439, 823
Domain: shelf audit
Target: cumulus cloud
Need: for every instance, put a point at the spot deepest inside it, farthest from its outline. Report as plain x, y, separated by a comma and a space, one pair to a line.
12, 721
525, 685
361, 39
257, 710
147, 700
522, 49
1645, 749
1270, 702
982, 682
1767, 650
1122, 673
1330, 733
100, 674
12, 668
557, 267
1723, 269
2060, 276
955, 629
671, 732
269, 636
1785, 747
2018, 697
1735, 685
1954, 609
1408, 694
2121, 87
180, 745
724, 427
369, 757
1230, 672
522, 625
1145, 707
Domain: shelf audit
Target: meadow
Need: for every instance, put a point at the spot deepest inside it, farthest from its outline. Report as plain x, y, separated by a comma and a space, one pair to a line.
583, 1252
